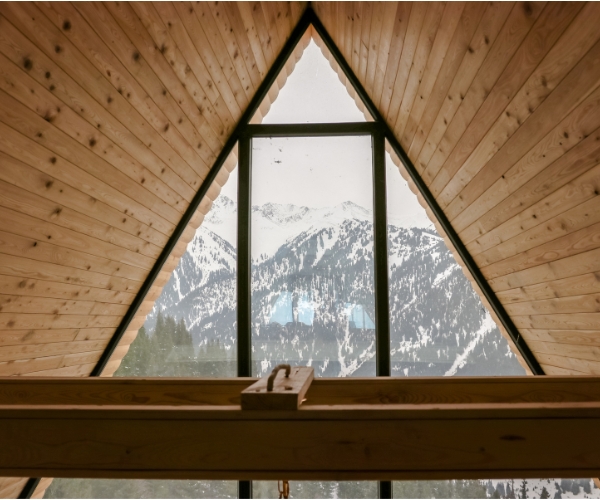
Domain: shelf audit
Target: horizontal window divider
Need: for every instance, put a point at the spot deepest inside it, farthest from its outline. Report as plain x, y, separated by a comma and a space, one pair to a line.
312, 129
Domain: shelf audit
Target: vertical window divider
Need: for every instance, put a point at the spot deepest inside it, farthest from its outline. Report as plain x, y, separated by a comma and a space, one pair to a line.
244, 275
380, 256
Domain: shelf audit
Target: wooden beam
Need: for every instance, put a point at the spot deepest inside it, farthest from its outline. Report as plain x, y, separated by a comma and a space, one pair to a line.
385, 428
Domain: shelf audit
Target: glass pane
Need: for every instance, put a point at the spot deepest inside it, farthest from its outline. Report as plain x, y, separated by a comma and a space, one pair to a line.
313, 93
438, 325
317, 489
140, 488
498, 488
312, 255
190, 332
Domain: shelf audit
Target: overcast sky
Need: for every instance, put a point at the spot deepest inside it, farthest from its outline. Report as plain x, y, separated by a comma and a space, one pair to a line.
321, 171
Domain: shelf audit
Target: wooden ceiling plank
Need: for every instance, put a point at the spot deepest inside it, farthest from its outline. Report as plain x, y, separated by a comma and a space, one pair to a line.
35, 337
42, 252
27, 287
241, 12
389, 22
35, 321
492, 26
401, 18
426, 108
198, 37
572, 304
576, 337
576, 265
570, 221
361, 70
509, 40
560, 200
131, 195
578, 242
234, 69
576, 285
74, 97
553, 21
26, 202
555, 370
255, 16
577, 365
41, 305
274, 26
416, 20
69, 371
21, 87
12, 487
349, 28
151, 69
40, 179
561, 82
375, 43
356, 31
581, 321
82, 245
568, 145
238, 45
432, 22
161, 34
29, 268
8, 353
104, 92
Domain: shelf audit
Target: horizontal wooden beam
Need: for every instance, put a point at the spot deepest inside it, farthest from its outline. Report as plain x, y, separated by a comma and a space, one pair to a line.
385, 428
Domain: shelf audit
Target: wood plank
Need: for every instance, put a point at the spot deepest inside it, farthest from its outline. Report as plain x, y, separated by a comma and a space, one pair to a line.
130, 264
403, 12
444, 137
498, 19
30, 166
418, 13
23, 201
35, 321
575, 365
89, 63
567, 152
321, 441
573, 304
553, 21
573, 351
568, 222
578, 242
23, 305
373, 47
573, 337
383, 51
440, 50
432, 22
559, 84
13, 353
576, 285
131, 195
427, 107
161, 34
365, 36
27, 268
581, 321
33, 337
122, 29
286, 393
36, 97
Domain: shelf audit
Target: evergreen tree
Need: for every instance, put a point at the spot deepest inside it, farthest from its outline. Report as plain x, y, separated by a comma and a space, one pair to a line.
545, 493
523, 490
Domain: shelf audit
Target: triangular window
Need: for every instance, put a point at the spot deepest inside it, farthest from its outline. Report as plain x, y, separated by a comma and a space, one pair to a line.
311, 209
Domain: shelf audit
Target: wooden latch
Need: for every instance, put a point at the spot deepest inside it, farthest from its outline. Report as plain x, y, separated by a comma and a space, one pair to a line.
283, 389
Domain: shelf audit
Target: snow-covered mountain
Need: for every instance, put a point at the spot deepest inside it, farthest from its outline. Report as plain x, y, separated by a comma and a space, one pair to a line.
313, 298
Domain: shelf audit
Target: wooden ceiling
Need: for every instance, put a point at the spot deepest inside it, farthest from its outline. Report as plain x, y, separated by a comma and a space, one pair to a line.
111, 115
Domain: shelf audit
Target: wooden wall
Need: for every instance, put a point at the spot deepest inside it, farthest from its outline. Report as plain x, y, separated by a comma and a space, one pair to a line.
498, 107
111, 115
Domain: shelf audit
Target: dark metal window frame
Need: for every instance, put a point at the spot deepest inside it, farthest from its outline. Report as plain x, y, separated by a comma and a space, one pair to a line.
240, 136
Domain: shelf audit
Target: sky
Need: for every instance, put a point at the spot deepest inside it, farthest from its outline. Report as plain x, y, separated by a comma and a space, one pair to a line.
324, 171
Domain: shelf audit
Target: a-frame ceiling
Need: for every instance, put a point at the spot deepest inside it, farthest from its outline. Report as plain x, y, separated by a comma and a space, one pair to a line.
111, 116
